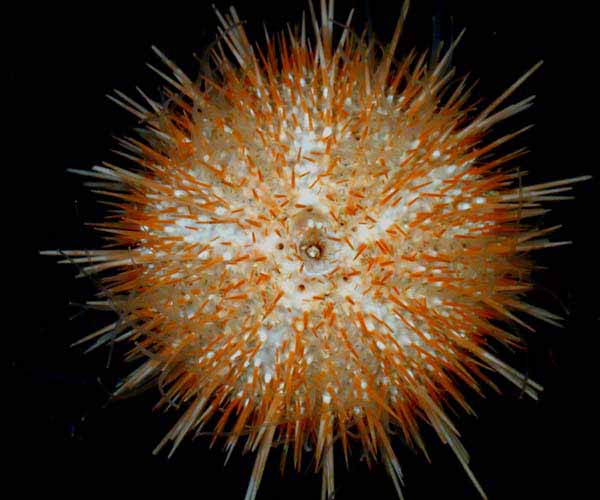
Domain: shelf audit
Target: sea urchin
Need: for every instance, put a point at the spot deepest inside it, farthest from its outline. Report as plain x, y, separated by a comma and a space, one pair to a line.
315, 245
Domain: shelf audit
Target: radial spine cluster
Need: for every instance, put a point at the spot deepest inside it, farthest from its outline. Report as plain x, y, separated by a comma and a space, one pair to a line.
315, 245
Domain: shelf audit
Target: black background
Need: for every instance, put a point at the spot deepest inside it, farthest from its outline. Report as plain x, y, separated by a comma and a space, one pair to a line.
71, 441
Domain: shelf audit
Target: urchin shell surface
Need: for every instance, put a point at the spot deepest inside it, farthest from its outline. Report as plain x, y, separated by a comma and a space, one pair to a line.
315, 245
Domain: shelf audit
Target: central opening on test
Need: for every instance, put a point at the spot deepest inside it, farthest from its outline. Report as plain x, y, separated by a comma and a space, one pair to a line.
313, 251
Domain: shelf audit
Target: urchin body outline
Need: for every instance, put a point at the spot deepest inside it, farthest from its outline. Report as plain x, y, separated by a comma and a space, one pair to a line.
371, 244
